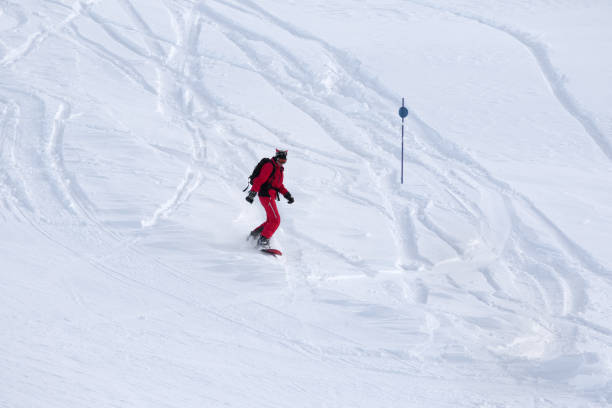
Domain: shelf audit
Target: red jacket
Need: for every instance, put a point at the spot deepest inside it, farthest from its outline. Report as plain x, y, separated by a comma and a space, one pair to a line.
266, 187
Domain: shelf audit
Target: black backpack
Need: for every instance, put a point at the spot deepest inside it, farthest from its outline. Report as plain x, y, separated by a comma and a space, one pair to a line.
257, 170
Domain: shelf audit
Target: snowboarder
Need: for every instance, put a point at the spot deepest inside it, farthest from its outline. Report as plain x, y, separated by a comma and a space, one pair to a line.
269, 183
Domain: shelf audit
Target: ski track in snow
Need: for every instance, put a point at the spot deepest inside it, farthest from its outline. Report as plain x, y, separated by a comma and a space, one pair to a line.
13, 191
179, 98
346, 65
48, 195
34, 40
553, 77
65, 197
38, 186
563, 294
454, 155
288, 91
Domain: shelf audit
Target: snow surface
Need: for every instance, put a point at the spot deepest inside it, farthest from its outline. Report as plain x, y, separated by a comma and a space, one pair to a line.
127, 130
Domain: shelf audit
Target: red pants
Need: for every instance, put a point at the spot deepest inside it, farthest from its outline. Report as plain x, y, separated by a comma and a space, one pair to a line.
272, 217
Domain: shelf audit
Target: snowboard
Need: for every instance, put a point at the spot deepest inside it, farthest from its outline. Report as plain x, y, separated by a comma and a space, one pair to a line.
271, 251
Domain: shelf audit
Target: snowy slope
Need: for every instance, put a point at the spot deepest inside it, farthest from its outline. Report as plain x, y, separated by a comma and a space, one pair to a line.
127, 131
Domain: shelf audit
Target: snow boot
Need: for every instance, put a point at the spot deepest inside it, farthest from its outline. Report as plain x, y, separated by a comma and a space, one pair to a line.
263, 242
255, 233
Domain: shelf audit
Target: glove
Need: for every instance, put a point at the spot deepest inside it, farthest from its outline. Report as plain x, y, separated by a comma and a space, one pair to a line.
251, 196
289, 197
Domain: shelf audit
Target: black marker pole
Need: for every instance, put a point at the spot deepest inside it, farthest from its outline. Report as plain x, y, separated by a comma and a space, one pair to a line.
403, 112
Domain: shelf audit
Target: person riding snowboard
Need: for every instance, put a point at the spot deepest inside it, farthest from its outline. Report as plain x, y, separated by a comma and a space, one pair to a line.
269, 183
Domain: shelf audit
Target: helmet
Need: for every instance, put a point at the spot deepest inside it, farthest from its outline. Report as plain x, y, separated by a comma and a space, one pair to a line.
281, 154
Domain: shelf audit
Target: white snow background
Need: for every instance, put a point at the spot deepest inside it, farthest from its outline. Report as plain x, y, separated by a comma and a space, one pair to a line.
128, 129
